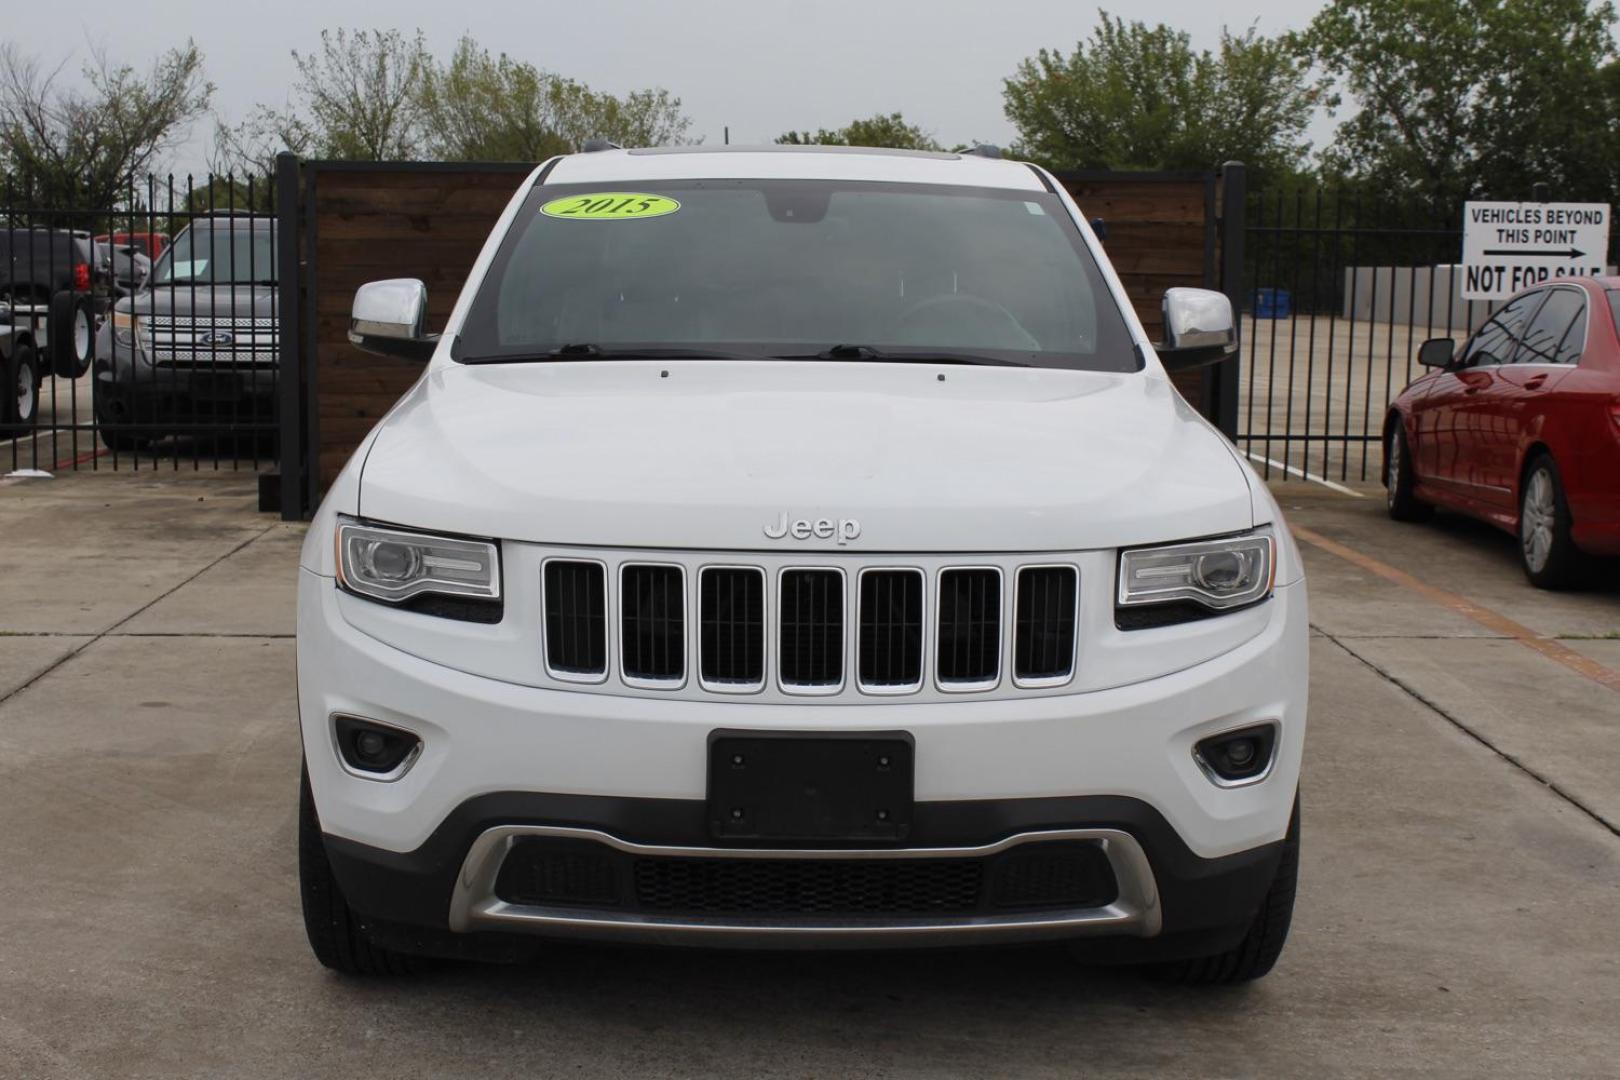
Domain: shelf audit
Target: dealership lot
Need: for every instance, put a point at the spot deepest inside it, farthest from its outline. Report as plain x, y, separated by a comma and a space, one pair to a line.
1456, 914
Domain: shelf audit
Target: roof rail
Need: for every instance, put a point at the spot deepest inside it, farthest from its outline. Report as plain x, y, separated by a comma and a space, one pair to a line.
986, 150
592, 146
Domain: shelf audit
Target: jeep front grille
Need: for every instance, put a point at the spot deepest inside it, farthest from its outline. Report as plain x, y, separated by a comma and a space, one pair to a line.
653, 623
834, 628
575, 601
969, 627
1043, 638
890, 652
812, 635
731, 627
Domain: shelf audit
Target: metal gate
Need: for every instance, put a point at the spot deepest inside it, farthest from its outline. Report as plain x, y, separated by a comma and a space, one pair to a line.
1340, 290
140, 335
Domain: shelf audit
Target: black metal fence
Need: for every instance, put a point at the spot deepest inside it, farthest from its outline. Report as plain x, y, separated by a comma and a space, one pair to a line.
139, 331
1340, 289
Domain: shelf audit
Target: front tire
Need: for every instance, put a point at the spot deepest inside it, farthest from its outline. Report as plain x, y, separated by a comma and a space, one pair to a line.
1399, 480
1547, 550
1257, 953
334, 930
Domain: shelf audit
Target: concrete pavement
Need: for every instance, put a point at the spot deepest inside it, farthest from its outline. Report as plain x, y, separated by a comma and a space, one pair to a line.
1457, 913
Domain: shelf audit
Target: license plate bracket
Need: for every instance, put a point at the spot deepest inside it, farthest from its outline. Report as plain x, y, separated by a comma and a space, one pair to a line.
811, 787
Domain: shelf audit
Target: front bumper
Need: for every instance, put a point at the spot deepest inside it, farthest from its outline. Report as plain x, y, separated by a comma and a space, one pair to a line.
417, 857
441, 898
130, 389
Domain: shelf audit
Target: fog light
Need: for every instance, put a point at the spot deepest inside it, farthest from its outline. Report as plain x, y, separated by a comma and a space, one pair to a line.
1239, 752
1233, 758
370, 745
375, 750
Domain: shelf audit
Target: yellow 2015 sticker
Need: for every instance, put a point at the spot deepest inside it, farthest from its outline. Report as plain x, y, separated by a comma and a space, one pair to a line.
610, 206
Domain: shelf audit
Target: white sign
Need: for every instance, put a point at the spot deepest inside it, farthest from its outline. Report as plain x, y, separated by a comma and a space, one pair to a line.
1508, 246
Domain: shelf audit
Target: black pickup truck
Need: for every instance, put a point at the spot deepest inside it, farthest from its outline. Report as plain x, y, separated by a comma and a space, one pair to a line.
19, 371
58, 273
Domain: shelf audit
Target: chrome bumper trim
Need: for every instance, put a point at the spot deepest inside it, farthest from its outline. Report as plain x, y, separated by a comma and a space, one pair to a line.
474, 905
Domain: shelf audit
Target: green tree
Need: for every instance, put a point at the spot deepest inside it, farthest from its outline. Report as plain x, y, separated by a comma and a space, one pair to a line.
85, 148
889, 131
494, 108
1461, 98
357, 98
1140, 97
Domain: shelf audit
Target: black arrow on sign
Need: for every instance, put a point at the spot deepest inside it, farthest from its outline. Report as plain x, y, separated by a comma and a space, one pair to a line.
1572, 253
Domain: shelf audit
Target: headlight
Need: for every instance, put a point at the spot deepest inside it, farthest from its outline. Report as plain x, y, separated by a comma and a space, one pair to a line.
1216, 574
394, 566
127, 327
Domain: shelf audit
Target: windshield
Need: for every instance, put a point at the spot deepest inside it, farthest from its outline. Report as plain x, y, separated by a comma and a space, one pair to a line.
204, 255
794, 269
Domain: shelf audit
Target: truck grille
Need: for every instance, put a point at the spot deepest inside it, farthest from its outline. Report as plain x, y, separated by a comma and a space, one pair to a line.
800, 629
241, 341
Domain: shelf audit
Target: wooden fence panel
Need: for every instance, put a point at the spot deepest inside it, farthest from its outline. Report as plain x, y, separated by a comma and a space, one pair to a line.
412, 220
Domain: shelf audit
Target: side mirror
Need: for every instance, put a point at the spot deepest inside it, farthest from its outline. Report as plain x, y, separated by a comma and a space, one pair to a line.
388, 319
1198, 329
1437, 352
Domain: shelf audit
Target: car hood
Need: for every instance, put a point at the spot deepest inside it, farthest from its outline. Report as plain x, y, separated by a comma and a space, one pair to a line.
708, 455
256, 301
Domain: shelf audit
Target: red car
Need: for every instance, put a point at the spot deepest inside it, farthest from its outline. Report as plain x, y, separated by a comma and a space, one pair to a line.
150, 244
1521, 428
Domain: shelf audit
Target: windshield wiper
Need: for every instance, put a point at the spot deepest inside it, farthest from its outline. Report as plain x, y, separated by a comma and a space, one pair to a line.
589, 351
919, 356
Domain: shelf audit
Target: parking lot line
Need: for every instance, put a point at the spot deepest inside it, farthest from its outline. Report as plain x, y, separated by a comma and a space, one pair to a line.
1492, 620
1302, 474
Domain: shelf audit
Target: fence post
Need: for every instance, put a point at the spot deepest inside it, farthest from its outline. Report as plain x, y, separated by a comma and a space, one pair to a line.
1222, 381
293, 463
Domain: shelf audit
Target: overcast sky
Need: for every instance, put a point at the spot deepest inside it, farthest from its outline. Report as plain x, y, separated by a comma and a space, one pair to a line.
759, 66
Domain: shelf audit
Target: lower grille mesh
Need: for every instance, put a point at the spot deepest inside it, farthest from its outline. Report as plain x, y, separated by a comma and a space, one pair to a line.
790, 886
654, 617
1054, 875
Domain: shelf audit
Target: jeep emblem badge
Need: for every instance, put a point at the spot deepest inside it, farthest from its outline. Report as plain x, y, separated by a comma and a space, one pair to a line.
844, 529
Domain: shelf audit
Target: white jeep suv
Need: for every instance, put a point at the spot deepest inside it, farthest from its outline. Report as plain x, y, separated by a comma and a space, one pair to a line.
798, 548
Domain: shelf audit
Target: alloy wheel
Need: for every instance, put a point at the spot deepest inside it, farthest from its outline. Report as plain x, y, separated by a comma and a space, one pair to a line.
1537, 518
25, 392
81, 334
1392, 466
